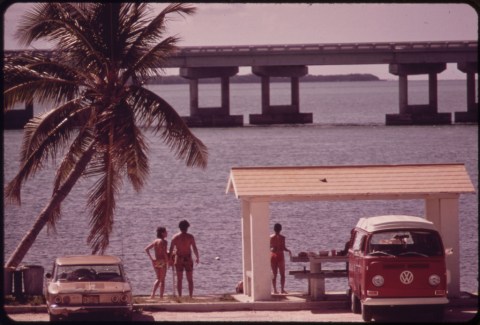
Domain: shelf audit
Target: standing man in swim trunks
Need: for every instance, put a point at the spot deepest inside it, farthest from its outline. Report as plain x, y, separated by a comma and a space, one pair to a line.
181, 246
160, 263
277, 259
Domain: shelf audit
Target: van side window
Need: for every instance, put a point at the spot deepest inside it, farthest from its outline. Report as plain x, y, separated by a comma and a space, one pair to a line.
359, 242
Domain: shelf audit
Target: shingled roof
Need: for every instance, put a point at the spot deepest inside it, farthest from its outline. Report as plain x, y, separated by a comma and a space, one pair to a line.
349, 182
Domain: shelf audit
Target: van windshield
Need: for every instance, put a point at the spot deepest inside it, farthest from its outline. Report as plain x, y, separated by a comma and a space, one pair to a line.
405, 243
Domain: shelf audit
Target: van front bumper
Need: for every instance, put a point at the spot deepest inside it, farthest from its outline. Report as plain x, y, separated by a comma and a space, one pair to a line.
405, 301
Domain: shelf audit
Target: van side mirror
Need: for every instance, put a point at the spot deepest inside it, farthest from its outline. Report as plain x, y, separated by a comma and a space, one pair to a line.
449, 251
48, 275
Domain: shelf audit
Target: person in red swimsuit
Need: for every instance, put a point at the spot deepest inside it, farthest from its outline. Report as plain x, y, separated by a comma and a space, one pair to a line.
277, 259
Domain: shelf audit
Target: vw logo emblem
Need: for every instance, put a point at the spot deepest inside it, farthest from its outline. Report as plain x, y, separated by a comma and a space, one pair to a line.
406, 277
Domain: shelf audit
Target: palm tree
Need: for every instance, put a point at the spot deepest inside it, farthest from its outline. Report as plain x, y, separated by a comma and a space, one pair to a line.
103, 55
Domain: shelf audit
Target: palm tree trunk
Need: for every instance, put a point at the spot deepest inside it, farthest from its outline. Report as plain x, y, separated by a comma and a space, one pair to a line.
57, 198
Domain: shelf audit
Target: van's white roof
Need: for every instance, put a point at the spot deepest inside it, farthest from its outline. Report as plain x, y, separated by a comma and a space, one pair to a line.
394, 222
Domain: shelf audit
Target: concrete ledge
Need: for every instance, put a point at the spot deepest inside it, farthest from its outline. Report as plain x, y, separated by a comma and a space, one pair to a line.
414, 119
213, 120
295, 118
466, 117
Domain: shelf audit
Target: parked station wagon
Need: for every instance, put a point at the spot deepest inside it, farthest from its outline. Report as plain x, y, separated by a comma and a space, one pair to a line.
396, 260
87, 284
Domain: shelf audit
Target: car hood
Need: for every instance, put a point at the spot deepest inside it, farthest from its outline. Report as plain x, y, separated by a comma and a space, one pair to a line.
68, 287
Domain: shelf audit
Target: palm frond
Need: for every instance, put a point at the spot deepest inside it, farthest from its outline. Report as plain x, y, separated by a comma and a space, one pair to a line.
79, 145
150, 62
53, 213
152, 110
101, 202
38, 77
68, 27
43, 137
145, 36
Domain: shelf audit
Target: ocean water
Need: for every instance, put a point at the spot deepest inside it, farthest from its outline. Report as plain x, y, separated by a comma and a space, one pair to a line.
348, 129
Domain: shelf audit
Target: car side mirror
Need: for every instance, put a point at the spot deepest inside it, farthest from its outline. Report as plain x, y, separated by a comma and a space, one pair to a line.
48, 275
449, 251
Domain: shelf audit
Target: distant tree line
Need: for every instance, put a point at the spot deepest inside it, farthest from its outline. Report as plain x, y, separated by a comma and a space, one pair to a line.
251, 78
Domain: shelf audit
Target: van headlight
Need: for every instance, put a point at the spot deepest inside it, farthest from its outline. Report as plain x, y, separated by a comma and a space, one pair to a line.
434, 280
378, 280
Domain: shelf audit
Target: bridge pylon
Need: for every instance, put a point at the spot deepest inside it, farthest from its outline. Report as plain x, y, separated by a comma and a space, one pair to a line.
210, 116
471, 115
280, 114
426, 114
17, 118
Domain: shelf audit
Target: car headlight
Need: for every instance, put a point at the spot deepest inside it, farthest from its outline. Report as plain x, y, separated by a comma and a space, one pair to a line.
124, 298
434, 280
378, 280
59, 300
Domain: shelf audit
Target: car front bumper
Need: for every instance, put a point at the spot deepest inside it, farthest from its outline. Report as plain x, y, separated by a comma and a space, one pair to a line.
67, 310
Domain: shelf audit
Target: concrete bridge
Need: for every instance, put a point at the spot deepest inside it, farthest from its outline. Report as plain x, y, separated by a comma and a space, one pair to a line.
267, 61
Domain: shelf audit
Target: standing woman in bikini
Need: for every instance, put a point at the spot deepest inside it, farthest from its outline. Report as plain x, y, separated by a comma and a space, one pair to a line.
160, 263
277, 259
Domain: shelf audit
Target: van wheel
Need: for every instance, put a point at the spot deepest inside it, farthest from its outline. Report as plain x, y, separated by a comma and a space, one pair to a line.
354, 303
438, 313
366, 313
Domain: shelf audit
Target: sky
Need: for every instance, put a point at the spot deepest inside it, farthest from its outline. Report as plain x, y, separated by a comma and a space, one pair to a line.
301, 23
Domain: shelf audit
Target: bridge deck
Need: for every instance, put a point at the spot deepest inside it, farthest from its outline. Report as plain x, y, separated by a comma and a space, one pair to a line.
319, 54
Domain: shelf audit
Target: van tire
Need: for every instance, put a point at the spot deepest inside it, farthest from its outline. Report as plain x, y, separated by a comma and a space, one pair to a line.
354, 303
367, 314
438, 313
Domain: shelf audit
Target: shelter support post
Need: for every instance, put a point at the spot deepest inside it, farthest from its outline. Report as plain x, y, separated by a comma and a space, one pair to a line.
256, 255
443, 212
246, 249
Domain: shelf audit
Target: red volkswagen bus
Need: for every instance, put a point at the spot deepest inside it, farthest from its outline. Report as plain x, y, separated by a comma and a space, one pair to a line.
396, 260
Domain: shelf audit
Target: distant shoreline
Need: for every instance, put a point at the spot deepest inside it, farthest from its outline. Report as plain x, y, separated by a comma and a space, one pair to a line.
250, 78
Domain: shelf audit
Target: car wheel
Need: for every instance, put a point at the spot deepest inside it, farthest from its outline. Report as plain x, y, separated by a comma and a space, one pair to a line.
354, 303
128, 316
366, 313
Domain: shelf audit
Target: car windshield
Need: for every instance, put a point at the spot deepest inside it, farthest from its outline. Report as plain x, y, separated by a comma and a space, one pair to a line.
405, 243
89, 273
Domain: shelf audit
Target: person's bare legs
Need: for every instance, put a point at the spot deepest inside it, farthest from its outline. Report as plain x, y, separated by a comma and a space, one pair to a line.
155, 286
274, 278
179, 282
163, 273
158, 272
190, 282
282, 277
